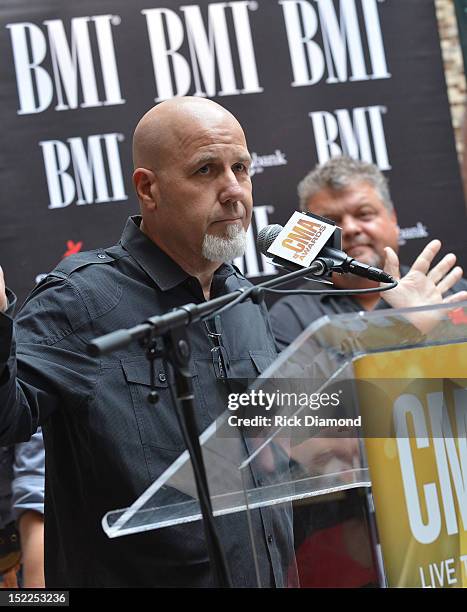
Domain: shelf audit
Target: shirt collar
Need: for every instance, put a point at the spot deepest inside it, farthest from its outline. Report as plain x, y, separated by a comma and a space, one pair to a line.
161, 268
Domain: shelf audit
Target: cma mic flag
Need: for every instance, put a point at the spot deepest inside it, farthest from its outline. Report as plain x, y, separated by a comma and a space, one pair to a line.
302, 239
307, 238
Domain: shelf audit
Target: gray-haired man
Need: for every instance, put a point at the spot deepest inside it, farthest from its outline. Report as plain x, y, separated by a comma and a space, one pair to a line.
356, 196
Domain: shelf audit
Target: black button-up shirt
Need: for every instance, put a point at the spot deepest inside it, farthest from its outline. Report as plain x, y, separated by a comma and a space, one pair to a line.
105, 443
291, 315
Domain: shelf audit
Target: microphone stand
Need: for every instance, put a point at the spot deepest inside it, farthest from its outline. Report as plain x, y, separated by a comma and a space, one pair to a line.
176, 350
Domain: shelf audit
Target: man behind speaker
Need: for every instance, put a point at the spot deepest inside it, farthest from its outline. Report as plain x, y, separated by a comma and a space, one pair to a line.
356, 196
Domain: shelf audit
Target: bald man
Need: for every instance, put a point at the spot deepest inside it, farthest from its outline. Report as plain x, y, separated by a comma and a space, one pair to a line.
105, 444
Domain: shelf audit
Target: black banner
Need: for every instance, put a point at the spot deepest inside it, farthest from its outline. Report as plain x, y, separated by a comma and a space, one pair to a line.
306, 78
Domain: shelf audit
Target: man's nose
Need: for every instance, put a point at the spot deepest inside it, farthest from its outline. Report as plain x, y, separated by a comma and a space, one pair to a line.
231, 190
350, 227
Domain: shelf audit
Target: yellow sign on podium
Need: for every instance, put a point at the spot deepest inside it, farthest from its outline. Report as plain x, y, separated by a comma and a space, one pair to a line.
419, 468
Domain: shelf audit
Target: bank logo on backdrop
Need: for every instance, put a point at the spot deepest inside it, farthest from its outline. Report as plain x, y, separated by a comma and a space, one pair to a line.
260, 162
410, 233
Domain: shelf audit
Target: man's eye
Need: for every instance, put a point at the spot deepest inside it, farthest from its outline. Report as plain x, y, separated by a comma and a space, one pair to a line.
203, 170
240, 167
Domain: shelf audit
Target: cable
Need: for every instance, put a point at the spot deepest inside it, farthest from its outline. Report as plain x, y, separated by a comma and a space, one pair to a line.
246, 293
243, 296
331, 291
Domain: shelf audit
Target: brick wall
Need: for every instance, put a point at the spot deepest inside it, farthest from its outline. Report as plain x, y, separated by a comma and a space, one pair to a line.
453, 67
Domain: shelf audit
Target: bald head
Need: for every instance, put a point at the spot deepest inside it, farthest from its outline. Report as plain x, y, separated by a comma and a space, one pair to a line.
164, 130
192, 181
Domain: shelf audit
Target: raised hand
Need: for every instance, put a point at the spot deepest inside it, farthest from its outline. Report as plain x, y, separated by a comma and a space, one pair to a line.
422, 286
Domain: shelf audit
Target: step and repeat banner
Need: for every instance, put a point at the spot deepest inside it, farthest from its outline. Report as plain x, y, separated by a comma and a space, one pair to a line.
308, 79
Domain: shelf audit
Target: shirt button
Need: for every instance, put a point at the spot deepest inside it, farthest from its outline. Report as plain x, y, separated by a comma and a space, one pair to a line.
270, 538
101, 256
162, 377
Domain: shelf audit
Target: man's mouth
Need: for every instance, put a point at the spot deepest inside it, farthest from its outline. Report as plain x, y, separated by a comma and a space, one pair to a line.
229, 220
357, 248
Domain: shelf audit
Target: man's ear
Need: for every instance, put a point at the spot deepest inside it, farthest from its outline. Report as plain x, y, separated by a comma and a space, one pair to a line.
145, 184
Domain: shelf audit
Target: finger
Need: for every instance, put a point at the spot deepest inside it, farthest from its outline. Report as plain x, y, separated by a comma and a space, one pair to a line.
461, 296
340, 448
450, 279
423, 262
391, 263
442, 268
347, 448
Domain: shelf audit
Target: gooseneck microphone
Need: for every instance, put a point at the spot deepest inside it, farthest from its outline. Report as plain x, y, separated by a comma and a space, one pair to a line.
338, 260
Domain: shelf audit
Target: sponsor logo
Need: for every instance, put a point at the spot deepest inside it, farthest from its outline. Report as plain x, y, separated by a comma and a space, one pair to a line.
72, 248
260, 162
409, 233
301, 239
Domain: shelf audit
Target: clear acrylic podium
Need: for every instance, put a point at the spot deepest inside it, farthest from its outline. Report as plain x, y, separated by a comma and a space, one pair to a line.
372, 484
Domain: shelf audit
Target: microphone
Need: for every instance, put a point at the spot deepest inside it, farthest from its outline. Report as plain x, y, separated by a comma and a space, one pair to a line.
297, 241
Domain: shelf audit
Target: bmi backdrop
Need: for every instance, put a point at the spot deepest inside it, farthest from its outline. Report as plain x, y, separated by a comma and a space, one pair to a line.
308, 79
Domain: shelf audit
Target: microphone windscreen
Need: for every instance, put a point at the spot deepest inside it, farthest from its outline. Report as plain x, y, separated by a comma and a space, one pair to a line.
266, 237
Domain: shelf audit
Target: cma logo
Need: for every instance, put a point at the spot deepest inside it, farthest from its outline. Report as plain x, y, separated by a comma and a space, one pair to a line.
190, 54
303, 236
427, 503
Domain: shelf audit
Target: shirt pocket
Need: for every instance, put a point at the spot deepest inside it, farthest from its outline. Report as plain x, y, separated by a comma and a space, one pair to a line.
157, 423
262, 360
243, 370
252, 365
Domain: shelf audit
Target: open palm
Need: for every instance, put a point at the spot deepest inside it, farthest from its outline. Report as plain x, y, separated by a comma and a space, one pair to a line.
422, 286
